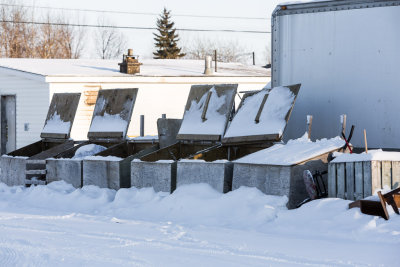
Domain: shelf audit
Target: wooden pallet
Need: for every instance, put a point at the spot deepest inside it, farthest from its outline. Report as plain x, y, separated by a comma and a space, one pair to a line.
378, 208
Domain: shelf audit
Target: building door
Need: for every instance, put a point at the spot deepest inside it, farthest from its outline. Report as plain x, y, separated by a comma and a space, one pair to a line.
8, 123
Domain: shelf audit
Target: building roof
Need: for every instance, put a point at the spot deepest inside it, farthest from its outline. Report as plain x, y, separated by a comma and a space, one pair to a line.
110, 68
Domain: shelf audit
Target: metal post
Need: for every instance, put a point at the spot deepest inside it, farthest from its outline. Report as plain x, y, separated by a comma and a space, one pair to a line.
215, 57
141, 125
164, 116
254, 59
309, 125
208, 66
343, 119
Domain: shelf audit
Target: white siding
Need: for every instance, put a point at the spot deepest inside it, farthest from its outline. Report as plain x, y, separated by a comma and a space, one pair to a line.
32, 101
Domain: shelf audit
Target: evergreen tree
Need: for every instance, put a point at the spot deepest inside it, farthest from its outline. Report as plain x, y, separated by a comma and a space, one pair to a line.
166, 39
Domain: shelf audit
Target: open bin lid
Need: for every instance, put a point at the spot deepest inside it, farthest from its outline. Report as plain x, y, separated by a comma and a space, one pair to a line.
207, 112
262, 116
112, 114
60, 116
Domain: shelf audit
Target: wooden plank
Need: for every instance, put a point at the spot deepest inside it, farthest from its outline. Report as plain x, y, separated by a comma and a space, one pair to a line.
200, 137
386, 174
376, 170
358, 181
367, 177
341, 180
97, 135
36, 161
203, 114
332, 180
260, 109
349, 180
35, 182
54, 135
251, 138
395, 174
39, 172
52, 152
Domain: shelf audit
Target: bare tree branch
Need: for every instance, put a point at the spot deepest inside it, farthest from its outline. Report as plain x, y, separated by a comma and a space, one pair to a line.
227, 51
110, 43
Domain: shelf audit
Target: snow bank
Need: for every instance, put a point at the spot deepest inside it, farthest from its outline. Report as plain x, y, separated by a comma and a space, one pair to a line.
56, 125
272, 119
371, 155
199, 204
88, 150
191, 204
215, 123
195, 226
295, 151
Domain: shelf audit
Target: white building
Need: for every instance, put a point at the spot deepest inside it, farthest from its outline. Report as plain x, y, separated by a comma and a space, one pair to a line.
27, 85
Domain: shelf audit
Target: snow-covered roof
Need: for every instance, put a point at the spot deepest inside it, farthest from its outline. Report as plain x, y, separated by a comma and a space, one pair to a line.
110, 68
294, 152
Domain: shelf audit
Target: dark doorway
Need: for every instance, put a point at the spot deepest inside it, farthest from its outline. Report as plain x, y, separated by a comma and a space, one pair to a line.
8, 123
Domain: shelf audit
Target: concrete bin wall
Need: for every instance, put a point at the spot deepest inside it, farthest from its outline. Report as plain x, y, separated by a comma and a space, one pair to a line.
217, 174
112, 167
12, 170
68, 170
105, 172
278, 180
161, 175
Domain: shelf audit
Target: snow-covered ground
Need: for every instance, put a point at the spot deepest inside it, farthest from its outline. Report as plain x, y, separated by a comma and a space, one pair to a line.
57, 225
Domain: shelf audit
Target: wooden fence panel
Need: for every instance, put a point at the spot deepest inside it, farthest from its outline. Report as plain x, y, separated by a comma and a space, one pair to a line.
367, 178
341, 180
350, 180
358, 180
332, 180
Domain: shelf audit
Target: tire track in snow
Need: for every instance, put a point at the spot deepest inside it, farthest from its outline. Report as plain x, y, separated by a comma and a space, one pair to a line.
174, 238
9, 256
178, 239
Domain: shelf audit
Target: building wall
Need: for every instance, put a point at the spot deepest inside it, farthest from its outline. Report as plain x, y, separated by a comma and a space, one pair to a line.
154, 98
32, 101
348, 63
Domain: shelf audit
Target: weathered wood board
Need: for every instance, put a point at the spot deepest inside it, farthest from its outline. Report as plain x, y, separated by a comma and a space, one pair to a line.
357, 180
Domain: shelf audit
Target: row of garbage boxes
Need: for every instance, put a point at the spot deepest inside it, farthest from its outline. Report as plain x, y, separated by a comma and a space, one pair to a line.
207, 145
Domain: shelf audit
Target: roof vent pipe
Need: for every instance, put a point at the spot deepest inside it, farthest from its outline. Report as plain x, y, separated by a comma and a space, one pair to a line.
208, 68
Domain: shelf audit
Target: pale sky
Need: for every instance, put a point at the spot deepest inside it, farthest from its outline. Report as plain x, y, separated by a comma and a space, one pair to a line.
142, 40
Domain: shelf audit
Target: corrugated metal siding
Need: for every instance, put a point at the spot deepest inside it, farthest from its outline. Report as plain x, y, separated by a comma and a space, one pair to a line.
32, 101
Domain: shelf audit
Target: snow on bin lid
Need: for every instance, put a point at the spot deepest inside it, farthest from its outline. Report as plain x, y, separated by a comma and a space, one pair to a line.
207, 112
112, 113
262, 116
294, 152
61, 115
